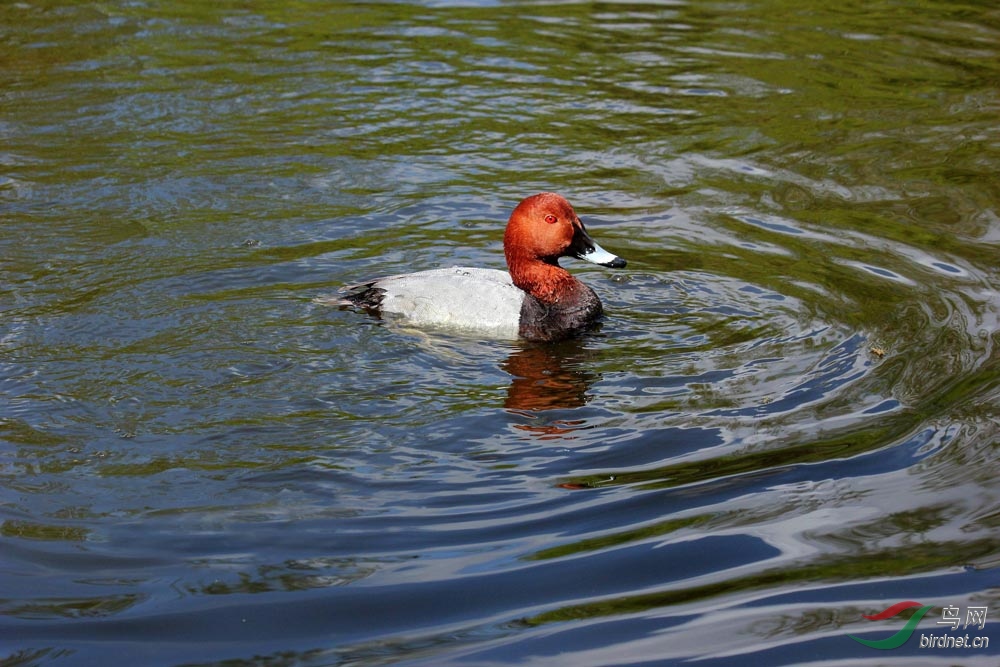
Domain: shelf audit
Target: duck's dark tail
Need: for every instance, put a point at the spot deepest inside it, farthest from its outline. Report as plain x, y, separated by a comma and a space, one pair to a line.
359, 295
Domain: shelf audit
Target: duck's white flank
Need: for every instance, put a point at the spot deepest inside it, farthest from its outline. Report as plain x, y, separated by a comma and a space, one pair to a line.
460, 297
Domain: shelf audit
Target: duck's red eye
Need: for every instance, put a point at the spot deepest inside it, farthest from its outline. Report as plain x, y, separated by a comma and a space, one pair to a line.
550, 218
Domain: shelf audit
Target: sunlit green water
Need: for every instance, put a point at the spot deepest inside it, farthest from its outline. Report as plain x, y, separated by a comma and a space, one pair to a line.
789, 418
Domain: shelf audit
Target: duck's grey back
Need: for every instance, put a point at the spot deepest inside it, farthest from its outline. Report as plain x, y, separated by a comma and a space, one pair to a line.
464, 298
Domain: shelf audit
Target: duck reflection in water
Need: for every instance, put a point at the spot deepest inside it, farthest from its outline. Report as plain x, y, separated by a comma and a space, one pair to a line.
549, 377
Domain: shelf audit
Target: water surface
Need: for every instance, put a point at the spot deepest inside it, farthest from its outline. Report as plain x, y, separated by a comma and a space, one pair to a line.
788, 419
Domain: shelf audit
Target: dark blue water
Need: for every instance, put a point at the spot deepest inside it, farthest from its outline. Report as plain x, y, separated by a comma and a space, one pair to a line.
788, 419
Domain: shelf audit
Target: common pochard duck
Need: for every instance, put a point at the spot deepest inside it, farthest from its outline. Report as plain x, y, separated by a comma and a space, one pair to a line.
537, 300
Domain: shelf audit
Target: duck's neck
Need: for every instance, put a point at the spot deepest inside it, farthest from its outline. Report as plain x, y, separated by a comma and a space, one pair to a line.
543, 280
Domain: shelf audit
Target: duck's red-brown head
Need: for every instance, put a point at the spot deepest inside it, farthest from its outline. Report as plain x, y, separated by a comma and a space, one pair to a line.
543, 228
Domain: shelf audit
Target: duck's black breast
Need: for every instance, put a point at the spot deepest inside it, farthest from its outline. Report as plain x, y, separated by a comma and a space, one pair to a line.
573, 312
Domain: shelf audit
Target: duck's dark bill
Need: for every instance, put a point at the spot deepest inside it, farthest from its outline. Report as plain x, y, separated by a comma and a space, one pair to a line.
584, 247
